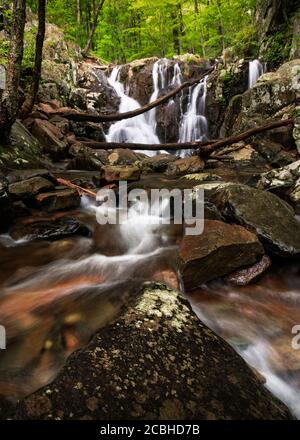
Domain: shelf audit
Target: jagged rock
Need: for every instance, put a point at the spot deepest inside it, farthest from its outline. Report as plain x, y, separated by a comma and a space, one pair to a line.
19, 175
244, 155
218, 251
60, 200
225, 83
273, 152
123, 156
86, 158
273, 96
61, 123
243, 277
172, 371
285, 177
188, 165
49, 230
30, 187
51, 144
116, 173
89, 130
158, 163
263, 212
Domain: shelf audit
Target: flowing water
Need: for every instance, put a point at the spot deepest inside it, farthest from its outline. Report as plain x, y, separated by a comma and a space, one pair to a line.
256, 70
55, 295
194, 126
133, 130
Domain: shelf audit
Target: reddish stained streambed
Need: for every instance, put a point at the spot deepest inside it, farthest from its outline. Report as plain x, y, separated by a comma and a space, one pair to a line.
55, 295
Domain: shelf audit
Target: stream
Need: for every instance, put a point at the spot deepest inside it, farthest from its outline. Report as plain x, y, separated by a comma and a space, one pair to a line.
55, 295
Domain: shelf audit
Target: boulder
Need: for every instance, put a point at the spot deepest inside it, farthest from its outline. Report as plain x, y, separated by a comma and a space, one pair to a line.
123, 156
158, 163
89, 130
85, 158
188, 165
49, 230
243, 277
156, 361
59, 200
29, 188
51, 144
263, 212
113, 173
218, 251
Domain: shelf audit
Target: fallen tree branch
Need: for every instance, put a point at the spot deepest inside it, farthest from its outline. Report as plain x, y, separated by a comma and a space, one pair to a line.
81, 191
204, 148
83, 117
215, 145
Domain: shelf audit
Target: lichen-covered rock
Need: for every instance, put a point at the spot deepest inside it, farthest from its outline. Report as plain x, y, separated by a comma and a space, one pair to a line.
113, 173
30, 187
218, 251
123, 156
263, 212
157, 361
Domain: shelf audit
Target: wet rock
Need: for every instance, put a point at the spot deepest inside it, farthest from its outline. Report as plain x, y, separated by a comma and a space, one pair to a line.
156, 361
273, 152
51, 144
123, 156
218, 251
30, 187
263, 212
6, 211
250, 274
116, 173
60, 200
86, 158
49, 230
188, 165
19, 175
158, 163
89, 130
20, 209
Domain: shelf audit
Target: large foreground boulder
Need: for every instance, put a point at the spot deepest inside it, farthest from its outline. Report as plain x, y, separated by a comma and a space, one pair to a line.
263, 212
220, 250
157, 361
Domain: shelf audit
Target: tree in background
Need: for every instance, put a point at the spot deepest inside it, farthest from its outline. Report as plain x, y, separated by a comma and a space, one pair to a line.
37, 70
9, 105
97, 10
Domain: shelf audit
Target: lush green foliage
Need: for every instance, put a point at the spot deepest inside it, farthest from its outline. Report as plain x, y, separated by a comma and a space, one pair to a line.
132, 29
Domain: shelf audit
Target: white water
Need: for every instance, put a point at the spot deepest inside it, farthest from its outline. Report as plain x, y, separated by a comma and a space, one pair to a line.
133, 130
256, 70
194, 126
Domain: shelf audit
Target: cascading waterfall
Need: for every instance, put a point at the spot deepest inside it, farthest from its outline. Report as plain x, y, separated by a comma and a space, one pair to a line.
135, 130
256, 70
161, 81
194, 126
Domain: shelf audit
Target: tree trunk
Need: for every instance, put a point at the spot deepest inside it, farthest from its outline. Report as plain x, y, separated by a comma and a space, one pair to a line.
10, 101
40, 37
89, 43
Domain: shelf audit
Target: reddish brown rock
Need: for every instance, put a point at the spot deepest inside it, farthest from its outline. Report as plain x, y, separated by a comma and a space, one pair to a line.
50, 138
246, 276
221, 249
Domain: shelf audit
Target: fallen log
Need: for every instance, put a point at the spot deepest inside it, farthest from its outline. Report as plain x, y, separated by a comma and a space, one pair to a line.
215, 145
88, 117
204, 148
81, 191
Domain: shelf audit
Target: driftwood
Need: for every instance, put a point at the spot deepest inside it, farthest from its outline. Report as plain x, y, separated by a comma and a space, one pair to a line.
204, 148
81, 191
81, 117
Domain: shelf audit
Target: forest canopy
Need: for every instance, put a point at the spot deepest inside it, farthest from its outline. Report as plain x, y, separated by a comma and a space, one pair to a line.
131, 29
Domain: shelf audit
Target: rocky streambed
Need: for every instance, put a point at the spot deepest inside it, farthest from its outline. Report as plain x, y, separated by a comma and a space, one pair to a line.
139, 320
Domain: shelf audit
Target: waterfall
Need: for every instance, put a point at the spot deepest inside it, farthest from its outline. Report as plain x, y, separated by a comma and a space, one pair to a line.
256, 69
162, 81
194, 126
135, 130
